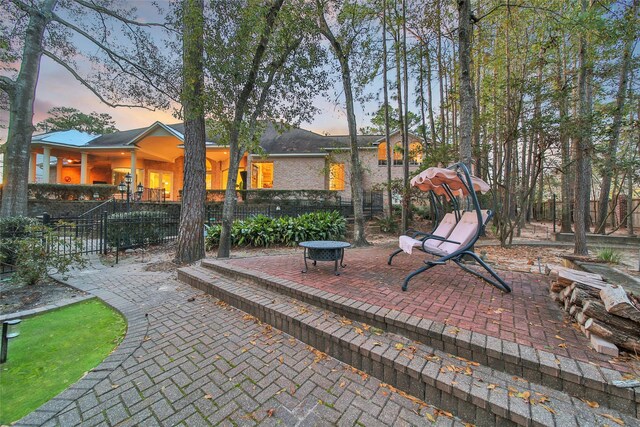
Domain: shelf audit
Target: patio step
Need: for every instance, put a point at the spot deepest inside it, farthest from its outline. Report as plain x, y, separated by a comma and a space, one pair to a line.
576, 378
473, 392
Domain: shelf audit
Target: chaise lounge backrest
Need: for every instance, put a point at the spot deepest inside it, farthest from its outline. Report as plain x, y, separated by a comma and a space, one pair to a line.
443, 230
464, 232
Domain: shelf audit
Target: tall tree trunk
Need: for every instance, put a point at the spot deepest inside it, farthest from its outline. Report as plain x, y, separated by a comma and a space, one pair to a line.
566, 177
441, 71
466, 92
401, 121
405, 131
21, 94
387, 133
582, 147
235, 150
359, 238
432, 124
192, 213
614, 138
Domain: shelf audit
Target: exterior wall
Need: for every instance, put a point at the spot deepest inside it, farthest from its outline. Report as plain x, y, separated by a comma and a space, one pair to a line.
99, 173
296, 173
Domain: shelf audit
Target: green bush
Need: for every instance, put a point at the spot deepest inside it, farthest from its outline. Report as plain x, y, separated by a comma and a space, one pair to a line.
25, 246
609, 255
263, 231
129, 229
43, 191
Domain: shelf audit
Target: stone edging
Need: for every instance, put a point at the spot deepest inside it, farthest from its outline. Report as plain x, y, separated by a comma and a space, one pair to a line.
32, 312
137, 327
576, 378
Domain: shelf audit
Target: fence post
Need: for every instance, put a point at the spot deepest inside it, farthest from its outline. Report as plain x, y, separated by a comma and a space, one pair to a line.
554, 213
103, 232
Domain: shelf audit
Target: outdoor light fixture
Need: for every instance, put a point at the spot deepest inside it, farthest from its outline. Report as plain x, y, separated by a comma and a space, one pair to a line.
127, 179
139, 191
96, 196
122, 187
10, 329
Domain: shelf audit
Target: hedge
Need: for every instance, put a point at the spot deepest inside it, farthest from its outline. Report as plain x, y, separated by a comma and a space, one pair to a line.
263, 231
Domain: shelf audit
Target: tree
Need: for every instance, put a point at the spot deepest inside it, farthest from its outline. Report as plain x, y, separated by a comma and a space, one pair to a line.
466, 91
128, 69
350, 43
65, 118
263, 64
192, 212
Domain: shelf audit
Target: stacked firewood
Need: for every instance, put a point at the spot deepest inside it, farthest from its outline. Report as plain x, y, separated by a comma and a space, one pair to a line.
607, 314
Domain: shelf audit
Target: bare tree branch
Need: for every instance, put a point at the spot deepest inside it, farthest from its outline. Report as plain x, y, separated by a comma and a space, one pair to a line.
142, 70
101, 10
7, 85
88, 85
25, 7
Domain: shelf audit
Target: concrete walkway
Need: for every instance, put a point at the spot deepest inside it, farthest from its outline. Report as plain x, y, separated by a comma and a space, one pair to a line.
188, 359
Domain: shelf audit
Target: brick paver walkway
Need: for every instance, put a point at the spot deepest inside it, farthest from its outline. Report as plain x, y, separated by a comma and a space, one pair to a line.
446, 294
191, 360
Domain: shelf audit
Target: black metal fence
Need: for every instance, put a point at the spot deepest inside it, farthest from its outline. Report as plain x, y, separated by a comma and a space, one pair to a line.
116, 224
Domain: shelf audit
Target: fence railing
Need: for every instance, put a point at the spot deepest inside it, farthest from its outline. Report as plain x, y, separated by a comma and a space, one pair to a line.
116, 224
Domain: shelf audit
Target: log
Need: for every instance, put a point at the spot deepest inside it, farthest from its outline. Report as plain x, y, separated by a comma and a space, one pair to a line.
557, 287
568, 276
617, 302
579, 297
566, 292
555, 296
591, 289
567, 304
619, 338
573, 310
581, 318
597, 311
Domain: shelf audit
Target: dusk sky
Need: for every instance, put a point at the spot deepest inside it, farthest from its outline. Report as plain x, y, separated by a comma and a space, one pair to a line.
58, 88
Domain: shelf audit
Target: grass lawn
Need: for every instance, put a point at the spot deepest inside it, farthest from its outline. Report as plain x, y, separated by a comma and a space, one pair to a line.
53, 351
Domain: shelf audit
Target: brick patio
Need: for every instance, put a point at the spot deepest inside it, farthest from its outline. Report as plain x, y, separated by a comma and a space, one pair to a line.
445, 294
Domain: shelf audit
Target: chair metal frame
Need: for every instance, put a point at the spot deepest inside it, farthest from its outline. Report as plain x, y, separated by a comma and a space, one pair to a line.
464, 250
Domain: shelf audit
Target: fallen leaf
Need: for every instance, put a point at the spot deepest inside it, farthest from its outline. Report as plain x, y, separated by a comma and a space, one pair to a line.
281, 359
270, 412
342, 384
208, 396
548, 408
377, 343
114, 386
430, 417
612, 418
358, 331
560, 338
563, 345
591, 404
399, 346
491, 386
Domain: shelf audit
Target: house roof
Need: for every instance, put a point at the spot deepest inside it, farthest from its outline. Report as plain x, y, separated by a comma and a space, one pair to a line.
75, 138
275, 139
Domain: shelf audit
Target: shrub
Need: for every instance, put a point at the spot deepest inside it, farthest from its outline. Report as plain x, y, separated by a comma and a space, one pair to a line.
129, 229
26, 248
609, 255
43, 191
263, 231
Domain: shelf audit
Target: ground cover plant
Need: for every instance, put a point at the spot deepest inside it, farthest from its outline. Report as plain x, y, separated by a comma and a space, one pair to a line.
263, 231
53, 351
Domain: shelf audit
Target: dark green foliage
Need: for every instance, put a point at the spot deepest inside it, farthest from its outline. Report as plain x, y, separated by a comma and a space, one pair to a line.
71, 191
24, 248
262, 231
12, 229
130, 229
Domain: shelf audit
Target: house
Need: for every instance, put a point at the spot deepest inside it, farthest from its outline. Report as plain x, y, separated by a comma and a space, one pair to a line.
289, 159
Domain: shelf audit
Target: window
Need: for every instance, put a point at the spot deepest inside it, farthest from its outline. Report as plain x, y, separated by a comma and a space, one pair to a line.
209, 175
225, 178
118, 175
336, 176
161, 180
262, 175
415, 153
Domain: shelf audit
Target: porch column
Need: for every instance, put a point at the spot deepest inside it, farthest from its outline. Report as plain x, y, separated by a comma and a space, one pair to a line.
59, 165
32, 167
83, 167
133, 169
46, 164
